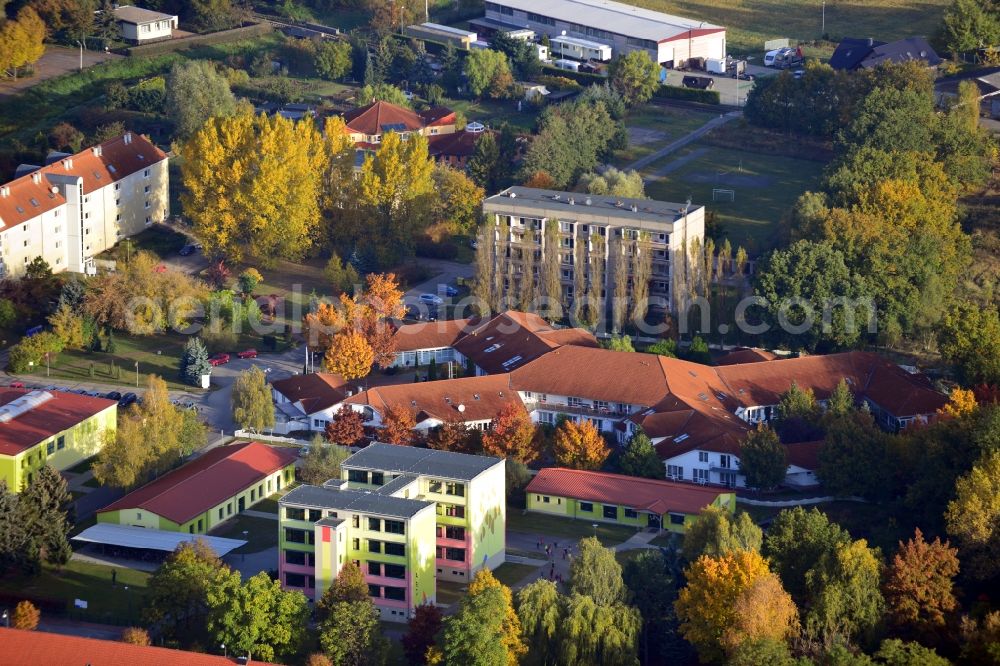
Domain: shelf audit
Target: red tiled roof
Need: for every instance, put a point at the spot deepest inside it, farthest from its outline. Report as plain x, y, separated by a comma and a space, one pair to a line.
746, 355
431, 334
483, 398
455, 144
437, 116
495, 344
804, 454
375, 117
117, 160
206, 481
39, 423
643, 494
34, 648
316, 391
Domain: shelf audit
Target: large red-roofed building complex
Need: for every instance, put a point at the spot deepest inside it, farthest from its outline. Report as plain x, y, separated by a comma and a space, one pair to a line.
623, 500
33, 648
49, 428
207, 491
79, 205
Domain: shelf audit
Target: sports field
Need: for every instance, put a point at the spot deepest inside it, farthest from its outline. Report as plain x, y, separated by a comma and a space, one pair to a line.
751, 22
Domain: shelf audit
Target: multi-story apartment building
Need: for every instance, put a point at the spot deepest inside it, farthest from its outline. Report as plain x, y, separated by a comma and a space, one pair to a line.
595, 234
80, 205
405, 516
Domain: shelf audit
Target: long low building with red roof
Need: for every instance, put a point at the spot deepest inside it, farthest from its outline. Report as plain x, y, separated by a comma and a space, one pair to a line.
33, 648
622, 500
54, 428
77, 206
207, 491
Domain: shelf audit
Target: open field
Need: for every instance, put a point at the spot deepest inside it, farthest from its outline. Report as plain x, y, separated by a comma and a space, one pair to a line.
765, 188
566, 528
652, 127
89, 582
750, 22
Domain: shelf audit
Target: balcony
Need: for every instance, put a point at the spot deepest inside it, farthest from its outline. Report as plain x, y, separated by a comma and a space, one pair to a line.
565, 408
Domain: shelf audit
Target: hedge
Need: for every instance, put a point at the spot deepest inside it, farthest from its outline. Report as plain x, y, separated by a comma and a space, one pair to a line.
221, 37
584, 78
689, 94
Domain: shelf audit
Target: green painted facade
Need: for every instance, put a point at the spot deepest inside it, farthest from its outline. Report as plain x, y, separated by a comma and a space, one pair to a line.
487, 518
620, 514
210, 519
62, 450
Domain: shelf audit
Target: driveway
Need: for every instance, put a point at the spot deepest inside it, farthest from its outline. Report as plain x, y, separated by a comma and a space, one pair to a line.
732, 92
56, 61
446, 272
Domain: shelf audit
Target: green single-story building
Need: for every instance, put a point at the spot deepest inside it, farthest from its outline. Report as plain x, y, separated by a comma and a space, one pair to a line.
56, 428
207, 491
622, 500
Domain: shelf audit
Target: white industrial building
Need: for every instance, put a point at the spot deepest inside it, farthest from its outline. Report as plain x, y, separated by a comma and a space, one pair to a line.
669, 40
579, 49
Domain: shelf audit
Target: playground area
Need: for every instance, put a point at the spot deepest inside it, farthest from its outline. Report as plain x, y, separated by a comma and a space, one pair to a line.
749, 192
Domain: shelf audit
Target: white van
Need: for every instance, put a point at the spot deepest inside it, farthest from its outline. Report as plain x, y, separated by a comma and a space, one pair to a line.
770, 57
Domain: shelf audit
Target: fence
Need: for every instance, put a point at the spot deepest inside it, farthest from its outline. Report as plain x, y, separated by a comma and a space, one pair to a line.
220, 37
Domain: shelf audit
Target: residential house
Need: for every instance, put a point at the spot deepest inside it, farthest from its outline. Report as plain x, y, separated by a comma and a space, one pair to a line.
987, 82
669, 40
307, 402
206, 492
600, 497
56, 428
595, 233
406, 516
80, 205
142, 26
852, 53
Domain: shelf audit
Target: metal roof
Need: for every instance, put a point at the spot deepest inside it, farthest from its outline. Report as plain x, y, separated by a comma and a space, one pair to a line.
413, 460
614, 17
602, 209
358, 501
150, 539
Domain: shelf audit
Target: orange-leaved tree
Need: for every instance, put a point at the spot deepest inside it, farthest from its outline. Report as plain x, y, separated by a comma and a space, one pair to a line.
452, 435
511, 435
135, 636
919, 585
762, 611
961, 402
397, 426
706, 606
25, 617
349, 355
580, 445
346, 428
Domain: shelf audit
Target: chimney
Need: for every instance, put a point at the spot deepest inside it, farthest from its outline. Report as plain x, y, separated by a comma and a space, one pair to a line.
68, 163
97, 151
36, 178
4, 191
127, 137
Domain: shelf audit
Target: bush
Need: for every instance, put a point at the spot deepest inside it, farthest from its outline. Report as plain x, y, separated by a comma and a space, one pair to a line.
431, 250
688, 94
584, 78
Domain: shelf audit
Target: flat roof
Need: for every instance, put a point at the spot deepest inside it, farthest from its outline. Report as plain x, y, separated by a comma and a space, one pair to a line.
446, 29
413, 460
576, 41
360, 501
206, 481
150, 539
617, 17
603, 209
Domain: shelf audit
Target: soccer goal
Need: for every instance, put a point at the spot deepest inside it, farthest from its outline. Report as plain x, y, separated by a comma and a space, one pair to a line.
723, 195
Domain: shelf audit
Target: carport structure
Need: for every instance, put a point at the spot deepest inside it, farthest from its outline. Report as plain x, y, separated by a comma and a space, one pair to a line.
141, 543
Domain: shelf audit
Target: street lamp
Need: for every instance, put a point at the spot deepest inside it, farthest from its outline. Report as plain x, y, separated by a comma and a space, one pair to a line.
594, 525
823, 33
81, 54
224, 653
6, 618
137, 374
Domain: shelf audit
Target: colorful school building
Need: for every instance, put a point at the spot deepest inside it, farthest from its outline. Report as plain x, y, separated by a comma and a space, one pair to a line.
622, 500
406, 516
56, 428
207, 491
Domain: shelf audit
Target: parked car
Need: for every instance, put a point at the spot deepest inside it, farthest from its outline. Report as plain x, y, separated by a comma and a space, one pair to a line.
17, 384
448, 290
127, 399
188, 250
700, 82
219, 359
431, 299
247, 353
113, 395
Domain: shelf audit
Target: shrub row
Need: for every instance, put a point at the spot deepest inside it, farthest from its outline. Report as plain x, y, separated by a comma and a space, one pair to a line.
688, 94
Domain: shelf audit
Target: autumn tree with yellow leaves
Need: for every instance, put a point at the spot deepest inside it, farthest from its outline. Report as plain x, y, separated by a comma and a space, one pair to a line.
349, 355
580, 445
252, 186
21, 40
732, 599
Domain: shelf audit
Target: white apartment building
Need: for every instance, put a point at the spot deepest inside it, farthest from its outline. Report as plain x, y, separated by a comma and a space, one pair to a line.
592, 228
79, 205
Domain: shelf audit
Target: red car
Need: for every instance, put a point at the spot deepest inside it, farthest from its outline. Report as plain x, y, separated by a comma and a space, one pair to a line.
247, 353
17, 385
218, 359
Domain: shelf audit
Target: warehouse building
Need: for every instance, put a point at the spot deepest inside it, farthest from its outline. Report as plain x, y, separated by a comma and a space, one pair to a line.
669, 40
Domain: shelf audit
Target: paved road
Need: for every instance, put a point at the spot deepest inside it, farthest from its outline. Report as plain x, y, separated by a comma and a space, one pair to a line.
643, 162
56, 61
446, 272
674, 165
67, 627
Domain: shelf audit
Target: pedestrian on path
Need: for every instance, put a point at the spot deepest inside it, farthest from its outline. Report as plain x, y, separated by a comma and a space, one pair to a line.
538, 546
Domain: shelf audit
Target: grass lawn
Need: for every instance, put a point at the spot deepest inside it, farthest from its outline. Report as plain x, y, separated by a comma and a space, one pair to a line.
158, 239
90, 582
653, 127
553, 526
532, 554
510, 574
262, 533
156, 354
765, 188
750, 22
493, 113
449, 592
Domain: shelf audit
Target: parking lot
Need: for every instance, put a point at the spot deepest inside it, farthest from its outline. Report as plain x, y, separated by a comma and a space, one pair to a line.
732, 92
